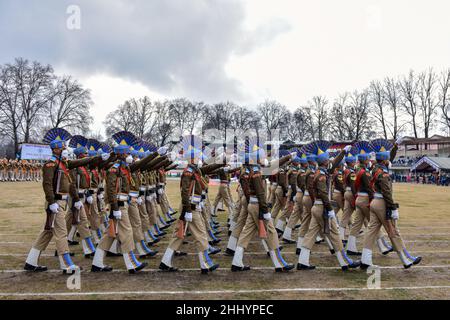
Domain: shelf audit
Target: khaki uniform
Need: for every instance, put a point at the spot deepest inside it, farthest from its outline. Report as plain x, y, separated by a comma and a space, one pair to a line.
57, 185
297, 213
292, 191
280, 193
224, 192
349, 197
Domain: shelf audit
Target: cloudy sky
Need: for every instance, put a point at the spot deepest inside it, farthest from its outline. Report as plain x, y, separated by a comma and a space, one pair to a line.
214, 50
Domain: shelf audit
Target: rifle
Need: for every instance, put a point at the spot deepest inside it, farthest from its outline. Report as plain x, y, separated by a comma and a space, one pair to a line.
262, 232
50, 220
326, 220
75, 214
112, 229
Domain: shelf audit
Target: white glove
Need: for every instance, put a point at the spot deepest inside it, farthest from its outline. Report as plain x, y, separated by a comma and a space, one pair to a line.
188, 217
78, 205
90, 199
100, 196
267, 216
162, 150
331, 214
172, 156
54, 207
117, 214
399, 140
226, 169
160, 191
293, 155
347, 148
395, 214
105, 156
139, 200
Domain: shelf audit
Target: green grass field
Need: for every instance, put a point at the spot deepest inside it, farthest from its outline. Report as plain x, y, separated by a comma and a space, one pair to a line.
424, 224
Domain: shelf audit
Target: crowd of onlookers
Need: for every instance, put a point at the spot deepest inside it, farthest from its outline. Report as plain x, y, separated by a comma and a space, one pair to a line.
405, 161
427, 178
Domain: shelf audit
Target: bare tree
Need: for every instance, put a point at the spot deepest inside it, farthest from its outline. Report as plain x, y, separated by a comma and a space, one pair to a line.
319, 119
392, 97
408, 88
428, 103
69, 105
10, 111
185, 114
444, 97
273, 116
378, 104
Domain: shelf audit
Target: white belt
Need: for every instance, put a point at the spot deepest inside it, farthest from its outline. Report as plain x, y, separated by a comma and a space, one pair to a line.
122, 197
299, 189
274, 184
142, 189
152, 186
134, 194
348, 189
63, 196
378, 195
363, 194
253, 200
318, 202
289, 187
306, 193
196, 199
81, 190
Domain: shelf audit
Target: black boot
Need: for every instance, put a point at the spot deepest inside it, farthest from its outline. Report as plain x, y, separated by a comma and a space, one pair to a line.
304, 267
285, 268
297, 251
236, 268
166, 268
142, 266
229, 252
211, 269
29, 267
98, 269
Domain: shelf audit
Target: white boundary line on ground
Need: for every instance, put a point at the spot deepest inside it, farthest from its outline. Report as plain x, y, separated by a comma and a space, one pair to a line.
246, 253
206, 292
445, 266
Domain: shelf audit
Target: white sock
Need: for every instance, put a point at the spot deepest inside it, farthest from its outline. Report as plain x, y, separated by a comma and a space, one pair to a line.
366, 257
303, 258
167, 258
98, 258
273, 257
238, 256
280, 225
232, 243
351, 244
340, 259
287, 234
33, 257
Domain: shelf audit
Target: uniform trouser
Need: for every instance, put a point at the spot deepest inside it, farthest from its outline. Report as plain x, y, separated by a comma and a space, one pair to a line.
297, 212
271, 194
317, 227
224, 195
163, 203
149, 209
348, 209
197, 228
251, 228
280, 202
59, 231
83, 224
135, 220
208, 209
242, 218
338, 201
378, 219
288, 208
124, 234
165, 199
362, 213
230, 196
306, 217
238, 207
93, 216
145, 222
